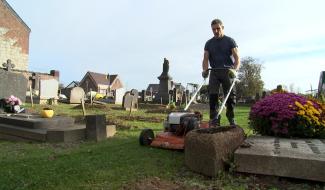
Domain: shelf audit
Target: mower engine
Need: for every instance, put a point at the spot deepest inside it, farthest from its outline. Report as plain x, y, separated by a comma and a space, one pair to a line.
181, 123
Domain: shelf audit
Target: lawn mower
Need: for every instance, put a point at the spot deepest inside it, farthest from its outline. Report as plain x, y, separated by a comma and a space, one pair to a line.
178, 124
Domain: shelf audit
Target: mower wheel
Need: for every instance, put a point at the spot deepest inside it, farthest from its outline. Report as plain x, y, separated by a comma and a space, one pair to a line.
146, 137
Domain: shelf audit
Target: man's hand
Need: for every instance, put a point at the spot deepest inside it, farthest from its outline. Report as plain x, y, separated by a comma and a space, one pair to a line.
232, 73
205, 74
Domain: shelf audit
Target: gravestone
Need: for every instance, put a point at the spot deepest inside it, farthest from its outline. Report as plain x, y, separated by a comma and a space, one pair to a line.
143, 96
135, 94
8, 66
208, 150
164, 84
127, 101
295, 158
12, 83
76, 94
183, 97
48, 90
96, 127
35, 80
170, 93
118, 97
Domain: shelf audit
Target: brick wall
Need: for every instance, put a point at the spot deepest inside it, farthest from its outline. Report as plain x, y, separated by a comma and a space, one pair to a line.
14, 37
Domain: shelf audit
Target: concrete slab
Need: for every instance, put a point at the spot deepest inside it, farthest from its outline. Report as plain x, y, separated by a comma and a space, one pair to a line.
70, 134
296, 158
35, 121
25, 133
24, 127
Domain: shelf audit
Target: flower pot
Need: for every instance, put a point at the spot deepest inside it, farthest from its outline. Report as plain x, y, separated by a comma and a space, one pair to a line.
47, 113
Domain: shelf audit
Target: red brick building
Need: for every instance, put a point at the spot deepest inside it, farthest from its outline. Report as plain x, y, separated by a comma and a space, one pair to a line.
14, 37
100, 83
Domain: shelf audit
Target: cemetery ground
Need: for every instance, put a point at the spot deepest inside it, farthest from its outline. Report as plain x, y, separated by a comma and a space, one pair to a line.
120, 162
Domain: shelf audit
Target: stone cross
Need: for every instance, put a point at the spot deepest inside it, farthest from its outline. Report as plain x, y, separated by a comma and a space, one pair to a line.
34, 80
8, 66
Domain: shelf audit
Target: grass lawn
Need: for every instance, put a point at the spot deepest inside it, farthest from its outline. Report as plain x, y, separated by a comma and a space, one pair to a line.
118, 162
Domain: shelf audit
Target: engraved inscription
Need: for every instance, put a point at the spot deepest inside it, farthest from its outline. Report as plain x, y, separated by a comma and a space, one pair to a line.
276, 146
294, 145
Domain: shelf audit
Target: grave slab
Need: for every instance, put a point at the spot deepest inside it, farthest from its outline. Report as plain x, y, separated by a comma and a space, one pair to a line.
24, 127
26, 133
70, 134
295, 158
35, 121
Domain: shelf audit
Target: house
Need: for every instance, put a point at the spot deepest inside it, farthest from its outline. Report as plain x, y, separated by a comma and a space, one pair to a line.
14, 37
73, 84
67, 90
100, 83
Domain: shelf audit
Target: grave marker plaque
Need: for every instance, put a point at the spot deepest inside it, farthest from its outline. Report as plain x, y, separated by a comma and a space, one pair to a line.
296, 158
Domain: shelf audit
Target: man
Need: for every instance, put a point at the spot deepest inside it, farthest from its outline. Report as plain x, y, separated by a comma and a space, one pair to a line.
220, 51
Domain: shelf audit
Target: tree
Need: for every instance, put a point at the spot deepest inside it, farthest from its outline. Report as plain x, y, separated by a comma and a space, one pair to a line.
250, 78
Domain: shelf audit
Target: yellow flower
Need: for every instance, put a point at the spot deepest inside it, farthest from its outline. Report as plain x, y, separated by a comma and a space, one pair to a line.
310, 103
315, 111
301, 112
298, 104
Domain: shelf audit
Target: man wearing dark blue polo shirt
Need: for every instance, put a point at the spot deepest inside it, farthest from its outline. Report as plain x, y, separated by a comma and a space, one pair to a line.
221, 52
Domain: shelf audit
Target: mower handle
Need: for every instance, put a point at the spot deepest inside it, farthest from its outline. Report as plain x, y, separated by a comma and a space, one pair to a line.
215, 69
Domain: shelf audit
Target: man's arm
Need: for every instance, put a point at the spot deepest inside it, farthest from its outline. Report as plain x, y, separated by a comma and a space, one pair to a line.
235, 53
205, 62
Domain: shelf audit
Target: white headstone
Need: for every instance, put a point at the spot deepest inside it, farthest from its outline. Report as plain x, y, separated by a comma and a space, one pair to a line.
119, 93
77, 93
49, 89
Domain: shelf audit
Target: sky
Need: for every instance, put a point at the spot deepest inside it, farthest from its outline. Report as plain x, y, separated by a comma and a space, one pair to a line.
131, 38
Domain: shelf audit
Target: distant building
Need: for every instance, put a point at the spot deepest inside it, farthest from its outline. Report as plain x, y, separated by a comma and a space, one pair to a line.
14, 37
100, 83
67, 90
152, 88
73, 84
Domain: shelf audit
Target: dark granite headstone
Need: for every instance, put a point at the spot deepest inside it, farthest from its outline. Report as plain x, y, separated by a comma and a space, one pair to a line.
35, 79
135, 94
175, 95
12, 84
96, 127
143, 96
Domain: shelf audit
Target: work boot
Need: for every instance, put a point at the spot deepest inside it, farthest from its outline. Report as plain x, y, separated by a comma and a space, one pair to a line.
215, 122
231, 121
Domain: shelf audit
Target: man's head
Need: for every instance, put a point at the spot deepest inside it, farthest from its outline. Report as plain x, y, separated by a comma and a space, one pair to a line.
217, 28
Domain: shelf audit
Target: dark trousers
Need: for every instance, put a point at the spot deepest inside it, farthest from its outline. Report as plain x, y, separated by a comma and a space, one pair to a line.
217, 78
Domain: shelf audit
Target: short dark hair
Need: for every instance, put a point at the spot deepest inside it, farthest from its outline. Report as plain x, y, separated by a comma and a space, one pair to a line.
216, 21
